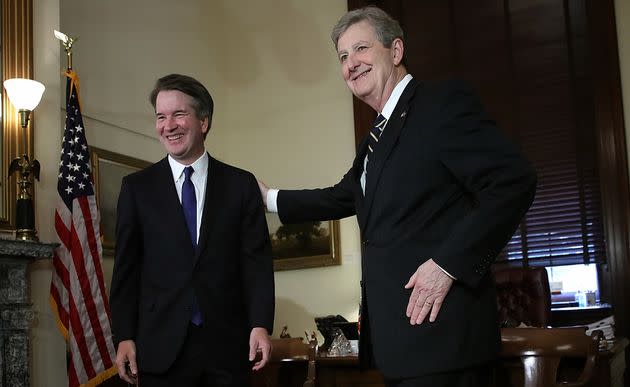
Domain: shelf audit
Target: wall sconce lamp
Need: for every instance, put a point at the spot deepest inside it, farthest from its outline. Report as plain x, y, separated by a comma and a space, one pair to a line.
25, 95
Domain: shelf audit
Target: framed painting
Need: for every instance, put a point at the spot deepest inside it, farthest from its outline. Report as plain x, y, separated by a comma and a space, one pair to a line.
108, 170
303, 245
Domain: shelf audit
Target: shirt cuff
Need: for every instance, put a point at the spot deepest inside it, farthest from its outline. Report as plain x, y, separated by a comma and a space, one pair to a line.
445, 272
272, 200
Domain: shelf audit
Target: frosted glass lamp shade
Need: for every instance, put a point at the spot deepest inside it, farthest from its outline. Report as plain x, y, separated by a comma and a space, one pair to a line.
24, 94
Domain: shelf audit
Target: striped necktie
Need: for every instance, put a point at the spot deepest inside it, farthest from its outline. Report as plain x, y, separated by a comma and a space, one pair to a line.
375, 133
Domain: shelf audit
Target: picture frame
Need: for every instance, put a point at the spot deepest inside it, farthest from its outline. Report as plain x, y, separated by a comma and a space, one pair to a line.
303, 245
108, 170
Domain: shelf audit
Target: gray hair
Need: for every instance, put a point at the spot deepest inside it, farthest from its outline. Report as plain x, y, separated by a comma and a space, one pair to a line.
387, 29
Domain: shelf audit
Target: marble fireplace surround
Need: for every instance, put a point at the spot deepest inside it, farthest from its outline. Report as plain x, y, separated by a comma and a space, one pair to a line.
16, 311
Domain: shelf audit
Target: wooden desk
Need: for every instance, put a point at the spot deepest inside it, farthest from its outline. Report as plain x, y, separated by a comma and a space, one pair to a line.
344, 372
330, 372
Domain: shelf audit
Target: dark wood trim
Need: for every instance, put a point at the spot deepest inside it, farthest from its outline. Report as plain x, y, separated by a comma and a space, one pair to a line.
612, 156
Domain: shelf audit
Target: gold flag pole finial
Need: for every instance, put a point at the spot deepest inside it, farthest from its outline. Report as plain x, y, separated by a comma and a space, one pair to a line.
67, 44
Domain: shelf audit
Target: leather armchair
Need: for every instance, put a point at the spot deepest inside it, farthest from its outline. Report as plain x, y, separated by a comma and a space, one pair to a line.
523, 296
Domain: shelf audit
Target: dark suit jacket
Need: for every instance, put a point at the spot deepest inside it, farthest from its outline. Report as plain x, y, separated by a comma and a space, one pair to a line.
157, 271
442, 183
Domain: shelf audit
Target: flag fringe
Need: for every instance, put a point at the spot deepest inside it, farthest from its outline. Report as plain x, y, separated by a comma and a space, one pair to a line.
62, 328
100, 378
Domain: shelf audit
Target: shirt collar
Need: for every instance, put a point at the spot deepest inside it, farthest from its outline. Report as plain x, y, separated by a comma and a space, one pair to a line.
200, 166
391, 103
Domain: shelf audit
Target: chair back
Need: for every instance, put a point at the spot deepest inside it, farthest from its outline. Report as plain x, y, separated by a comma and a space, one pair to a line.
541, 349
523, 296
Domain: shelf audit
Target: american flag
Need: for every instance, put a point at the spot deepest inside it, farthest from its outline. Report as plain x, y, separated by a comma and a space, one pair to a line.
77, 291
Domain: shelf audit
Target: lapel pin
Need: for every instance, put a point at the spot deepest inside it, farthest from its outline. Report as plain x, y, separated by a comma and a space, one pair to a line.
403, 114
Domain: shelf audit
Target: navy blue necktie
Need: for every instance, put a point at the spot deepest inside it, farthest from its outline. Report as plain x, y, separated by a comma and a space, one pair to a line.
189, 204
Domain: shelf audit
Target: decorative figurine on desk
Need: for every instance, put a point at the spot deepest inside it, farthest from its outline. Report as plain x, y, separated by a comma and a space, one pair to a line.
340, 345
285, 333
311, 338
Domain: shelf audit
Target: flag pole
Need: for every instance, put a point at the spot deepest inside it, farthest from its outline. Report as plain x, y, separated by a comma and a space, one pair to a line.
67, 45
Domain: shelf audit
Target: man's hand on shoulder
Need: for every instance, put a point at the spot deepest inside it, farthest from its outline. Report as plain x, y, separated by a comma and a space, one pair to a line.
259, 341
430, 286
263, 191
126, 361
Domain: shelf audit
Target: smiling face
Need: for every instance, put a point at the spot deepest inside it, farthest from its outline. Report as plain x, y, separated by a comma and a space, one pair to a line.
179, 129
370, 69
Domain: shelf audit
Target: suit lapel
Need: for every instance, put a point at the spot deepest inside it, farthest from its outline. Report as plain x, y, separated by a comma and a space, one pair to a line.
171, 206
386, 145
213, 184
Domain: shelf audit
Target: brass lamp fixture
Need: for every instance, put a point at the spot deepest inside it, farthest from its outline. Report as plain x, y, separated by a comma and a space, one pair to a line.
25, 95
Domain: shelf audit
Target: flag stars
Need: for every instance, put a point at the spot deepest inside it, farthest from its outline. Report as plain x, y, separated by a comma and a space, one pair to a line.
78, 128
68, 190
80, 157
81, 186
71, 154
76, 167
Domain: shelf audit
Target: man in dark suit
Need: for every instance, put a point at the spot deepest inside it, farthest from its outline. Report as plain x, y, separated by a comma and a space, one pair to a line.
192, 294
438, 191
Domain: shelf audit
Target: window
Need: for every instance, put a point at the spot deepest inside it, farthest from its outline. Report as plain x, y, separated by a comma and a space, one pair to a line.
563, 230
569, 283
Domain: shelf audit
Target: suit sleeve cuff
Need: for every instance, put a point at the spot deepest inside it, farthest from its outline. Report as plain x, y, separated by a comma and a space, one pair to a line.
272, 200
446, 272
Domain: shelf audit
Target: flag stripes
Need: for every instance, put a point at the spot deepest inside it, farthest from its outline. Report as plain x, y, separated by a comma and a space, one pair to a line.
77, 292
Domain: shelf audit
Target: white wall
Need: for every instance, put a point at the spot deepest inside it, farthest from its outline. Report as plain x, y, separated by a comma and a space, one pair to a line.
281, 111
48, 361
